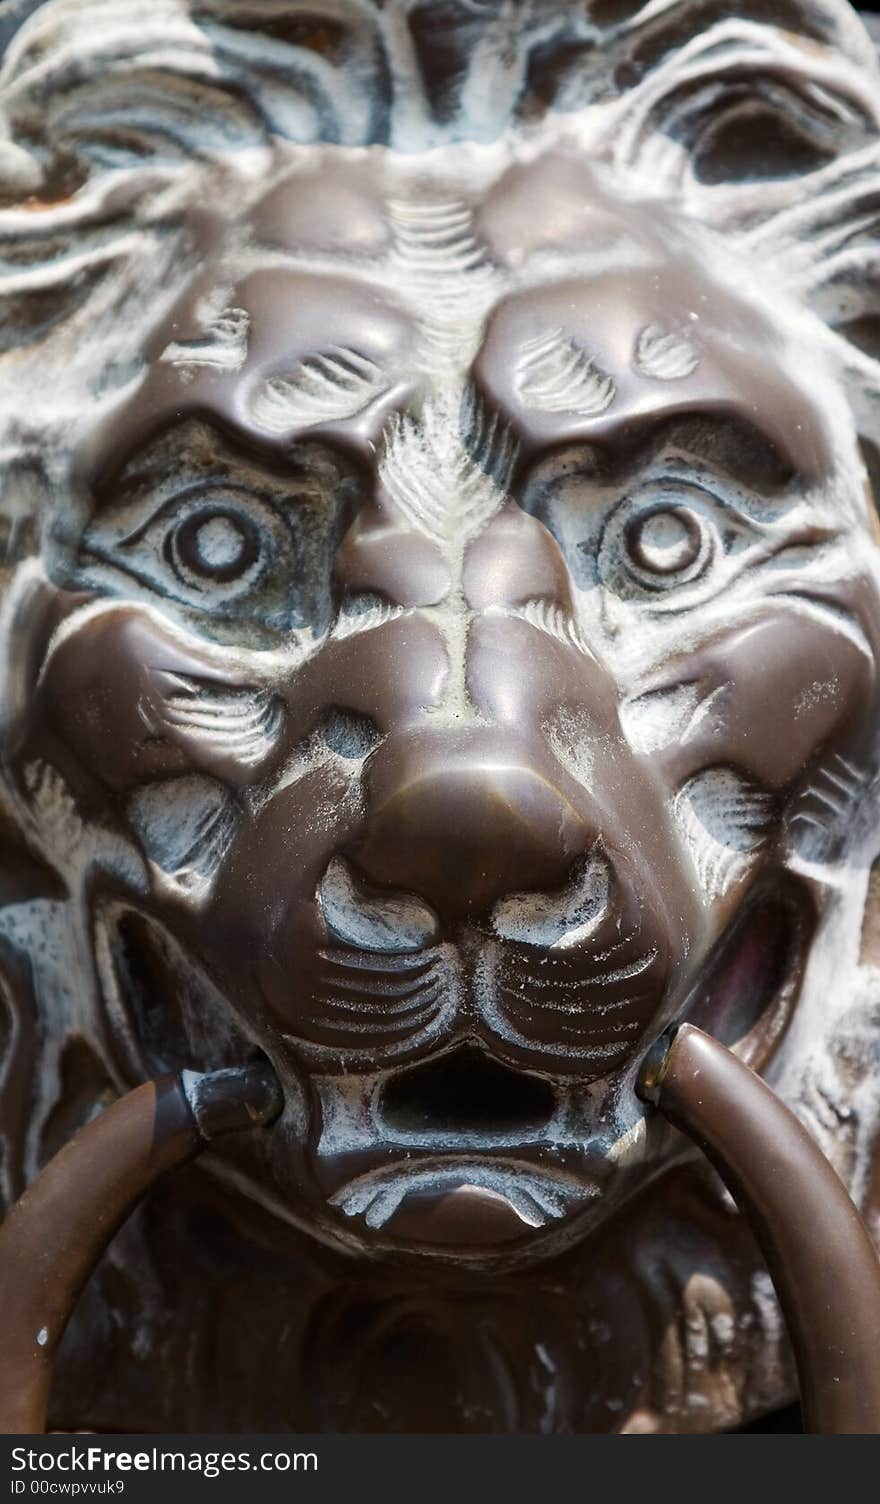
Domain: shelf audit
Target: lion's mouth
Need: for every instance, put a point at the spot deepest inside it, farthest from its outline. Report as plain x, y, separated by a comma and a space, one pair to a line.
465, 1151
460, 1152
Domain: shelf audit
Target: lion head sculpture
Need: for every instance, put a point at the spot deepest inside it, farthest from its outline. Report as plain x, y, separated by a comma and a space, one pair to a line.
441, 625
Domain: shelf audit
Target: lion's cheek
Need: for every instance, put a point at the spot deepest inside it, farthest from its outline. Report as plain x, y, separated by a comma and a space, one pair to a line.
129, 703
263, 925
774, 695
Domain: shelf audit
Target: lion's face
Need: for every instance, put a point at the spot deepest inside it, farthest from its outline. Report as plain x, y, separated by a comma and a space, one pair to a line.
469, 645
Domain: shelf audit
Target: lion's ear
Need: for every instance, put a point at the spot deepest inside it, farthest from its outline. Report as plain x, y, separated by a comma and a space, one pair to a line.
822, 247
121, 84
734, 113
769, 132
841, 283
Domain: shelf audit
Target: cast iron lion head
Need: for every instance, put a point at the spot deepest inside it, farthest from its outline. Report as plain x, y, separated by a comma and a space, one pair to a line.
442, 611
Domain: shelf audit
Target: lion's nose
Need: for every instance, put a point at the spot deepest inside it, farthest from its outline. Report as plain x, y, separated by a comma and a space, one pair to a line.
463, 821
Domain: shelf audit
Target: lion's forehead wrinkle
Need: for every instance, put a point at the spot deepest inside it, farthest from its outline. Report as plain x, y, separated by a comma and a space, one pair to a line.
296, 348
733, 364
319, 350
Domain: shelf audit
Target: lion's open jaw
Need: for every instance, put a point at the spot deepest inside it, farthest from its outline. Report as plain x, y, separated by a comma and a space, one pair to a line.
457, 1153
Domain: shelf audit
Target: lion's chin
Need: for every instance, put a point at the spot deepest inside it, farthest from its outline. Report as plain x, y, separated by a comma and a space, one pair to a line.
458, 1157
454, 1202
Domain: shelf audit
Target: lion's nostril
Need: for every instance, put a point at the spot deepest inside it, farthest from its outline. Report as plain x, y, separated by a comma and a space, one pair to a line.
466, 1094
349, 735
359, 916
562, 920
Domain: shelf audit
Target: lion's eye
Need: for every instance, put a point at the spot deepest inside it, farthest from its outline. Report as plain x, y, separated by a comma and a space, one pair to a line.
669, 542
210, 546
669, 545
214, 545
245, 550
